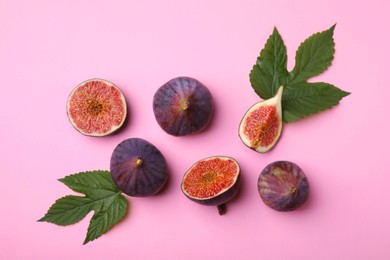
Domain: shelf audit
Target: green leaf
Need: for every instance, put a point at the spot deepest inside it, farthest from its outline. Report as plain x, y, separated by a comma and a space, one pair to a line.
101, 196
313, 56
304, 99
270, 70
106, 217
300, 98
94, 184
68, 210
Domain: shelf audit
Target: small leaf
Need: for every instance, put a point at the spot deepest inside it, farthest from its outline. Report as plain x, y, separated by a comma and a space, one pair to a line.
105, 218
91, 183
102, 196
68, 210
304, 99
313, 56
270, 70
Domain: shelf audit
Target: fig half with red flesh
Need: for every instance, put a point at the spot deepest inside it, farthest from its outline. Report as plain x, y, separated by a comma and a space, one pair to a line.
212, 181
96, 107
138, 168
283, 186
183, 106
261, 125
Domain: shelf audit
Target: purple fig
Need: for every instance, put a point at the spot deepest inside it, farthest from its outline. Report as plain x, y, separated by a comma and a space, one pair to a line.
283, 186
138, 168
183, 106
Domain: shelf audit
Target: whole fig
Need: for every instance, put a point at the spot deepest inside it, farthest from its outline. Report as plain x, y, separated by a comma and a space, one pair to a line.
183, 106
283, 186
138, 168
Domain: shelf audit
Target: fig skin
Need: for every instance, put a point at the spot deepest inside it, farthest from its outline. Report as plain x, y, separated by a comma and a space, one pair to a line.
183, 106
138, 168
283, 186
261, 126
221, 198
96, 107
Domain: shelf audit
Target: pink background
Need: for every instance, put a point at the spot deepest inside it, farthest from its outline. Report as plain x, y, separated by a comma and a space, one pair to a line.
48, 47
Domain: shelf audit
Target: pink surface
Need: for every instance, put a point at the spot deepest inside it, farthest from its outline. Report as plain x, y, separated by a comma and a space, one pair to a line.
48, 47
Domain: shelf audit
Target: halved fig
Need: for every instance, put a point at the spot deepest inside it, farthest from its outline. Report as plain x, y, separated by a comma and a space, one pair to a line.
138, 168
96, 107
183, 106
261, 125
283, 186
212, 181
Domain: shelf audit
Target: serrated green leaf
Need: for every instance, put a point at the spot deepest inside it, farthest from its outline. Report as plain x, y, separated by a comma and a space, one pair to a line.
313, 56
68, 210
270, 70
300, 98
304, 99
102, 197
106, 217
92, 183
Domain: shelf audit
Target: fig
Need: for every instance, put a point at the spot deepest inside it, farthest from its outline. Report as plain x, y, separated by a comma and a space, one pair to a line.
261, 125
283, 186
96, 107
212, 181
138, 168
183, 106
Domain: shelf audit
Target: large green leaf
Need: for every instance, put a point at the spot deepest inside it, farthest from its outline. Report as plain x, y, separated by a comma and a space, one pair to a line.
101, 196
300, 98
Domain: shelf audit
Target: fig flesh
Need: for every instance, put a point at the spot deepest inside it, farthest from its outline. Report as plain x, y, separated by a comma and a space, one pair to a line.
183, 106
261, 125
96, 107
283, 186
138, 168
212, 181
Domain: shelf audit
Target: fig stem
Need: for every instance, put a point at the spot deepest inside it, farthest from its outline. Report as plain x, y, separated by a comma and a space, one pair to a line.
138, 162
293, 190
184, 105
221, 209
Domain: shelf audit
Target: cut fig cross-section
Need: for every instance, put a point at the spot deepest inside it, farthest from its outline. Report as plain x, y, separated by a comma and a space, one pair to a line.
261, 125
212, 181
96, 107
